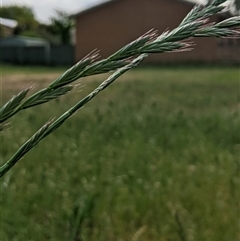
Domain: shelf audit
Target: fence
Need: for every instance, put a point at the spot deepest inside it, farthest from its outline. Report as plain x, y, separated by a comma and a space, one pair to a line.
38, 55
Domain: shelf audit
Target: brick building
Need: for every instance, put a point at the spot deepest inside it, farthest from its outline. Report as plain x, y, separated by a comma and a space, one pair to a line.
112, 24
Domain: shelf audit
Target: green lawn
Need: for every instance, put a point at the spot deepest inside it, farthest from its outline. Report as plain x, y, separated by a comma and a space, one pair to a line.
155, 157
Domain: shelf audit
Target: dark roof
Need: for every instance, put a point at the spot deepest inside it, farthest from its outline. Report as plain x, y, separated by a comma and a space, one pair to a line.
96, 6
106, 2
15, 41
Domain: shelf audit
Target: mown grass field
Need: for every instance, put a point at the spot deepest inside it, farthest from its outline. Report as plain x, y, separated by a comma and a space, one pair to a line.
155, 157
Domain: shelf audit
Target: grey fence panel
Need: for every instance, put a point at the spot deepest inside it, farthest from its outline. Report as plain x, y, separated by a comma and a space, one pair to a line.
11, 54
8, 54
62, 55
34, 55
24, 55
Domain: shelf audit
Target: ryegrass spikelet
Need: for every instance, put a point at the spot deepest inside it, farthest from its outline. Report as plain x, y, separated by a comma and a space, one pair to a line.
45, 96
12, 104
28, 145
217, 32
131, 49
200, 12
229, 22
38, 98
71, 74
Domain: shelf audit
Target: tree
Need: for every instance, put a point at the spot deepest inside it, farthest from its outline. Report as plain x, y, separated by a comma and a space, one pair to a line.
235, 7
23, 15
62, 25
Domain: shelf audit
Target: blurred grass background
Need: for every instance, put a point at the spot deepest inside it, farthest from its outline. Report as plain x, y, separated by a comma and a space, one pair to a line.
153, 157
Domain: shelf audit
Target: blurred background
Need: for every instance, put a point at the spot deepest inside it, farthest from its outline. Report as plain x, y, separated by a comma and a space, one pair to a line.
162, 163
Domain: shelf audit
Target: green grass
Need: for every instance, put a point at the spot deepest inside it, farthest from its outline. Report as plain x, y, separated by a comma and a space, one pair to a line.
156, 154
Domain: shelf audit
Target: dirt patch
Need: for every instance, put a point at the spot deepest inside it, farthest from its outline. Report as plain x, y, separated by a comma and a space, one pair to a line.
21, 81
17, 82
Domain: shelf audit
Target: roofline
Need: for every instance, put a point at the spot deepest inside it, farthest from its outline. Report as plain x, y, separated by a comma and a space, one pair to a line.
92, 8
112, 1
